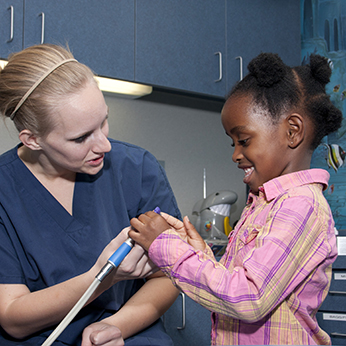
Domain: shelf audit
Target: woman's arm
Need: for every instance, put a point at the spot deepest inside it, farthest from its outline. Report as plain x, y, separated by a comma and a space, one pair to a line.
146, 306
23, 313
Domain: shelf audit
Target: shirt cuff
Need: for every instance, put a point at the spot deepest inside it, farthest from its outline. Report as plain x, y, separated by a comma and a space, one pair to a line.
168, 249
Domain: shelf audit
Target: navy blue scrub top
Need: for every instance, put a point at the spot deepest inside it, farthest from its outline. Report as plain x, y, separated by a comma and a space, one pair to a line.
41, 244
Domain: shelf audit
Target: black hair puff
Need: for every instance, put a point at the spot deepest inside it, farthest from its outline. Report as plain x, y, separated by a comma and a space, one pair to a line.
320, 68
268, 69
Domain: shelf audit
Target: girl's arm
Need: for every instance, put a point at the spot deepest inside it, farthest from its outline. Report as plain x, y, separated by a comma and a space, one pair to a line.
264, 267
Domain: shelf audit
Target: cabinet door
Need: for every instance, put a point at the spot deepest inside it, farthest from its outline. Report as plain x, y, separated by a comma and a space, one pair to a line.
181, 45
11, 27
334, 324
188, 323
100, 33
254, 26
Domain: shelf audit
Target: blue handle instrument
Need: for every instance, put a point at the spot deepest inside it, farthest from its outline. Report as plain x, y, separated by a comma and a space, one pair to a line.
113, 262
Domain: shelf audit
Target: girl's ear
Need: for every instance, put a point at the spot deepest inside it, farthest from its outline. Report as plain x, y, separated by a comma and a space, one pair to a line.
29, 140
295, 130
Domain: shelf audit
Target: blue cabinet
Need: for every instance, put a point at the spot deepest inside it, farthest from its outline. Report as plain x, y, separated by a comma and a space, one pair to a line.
205, 46
332, 313
199, 46
100, 33
261, 26
334, 324
11, 27
188, 323
181, 45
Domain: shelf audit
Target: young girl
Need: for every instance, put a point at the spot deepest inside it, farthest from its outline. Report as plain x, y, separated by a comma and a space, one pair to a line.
276, 270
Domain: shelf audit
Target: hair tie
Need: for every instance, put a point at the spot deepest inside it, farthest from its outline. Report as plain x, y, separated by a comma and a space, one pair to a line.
36, 84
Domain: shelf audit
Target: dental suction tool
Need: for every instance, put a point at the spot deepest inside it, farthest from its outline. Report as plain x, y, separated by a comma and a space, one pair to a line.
113, 262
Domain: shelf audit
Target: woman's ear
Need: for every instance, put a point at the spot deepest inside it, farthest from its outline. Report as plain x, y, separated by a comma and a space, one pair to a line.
29, 140
295, 130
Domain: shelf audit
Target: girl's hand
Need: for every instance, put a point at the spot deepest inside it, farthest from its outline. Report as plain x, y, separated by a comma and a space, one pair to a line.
186, 231
147, 227
101, 333
150, 225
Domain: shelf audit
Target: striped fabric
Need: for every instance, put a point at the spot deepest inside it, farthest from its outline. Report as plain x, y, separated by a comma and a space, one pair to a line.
275, 273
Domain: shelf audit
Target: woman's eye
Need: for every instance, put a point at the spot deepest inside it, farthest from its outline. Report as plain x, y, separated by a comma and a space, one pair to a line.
80, 139
105, 122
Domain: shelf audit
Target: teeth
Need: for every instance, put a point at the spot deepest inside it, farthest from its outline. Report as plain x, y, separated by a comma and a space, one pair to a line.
248, 171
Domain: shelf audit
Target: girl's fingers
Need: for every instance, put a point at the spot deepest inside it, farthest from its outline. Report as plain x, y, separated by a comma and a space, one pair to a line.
172, 221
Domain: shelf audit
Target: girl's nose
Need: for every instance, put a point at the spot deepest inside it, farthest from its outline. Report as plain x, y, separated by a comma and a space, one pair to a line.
237, 155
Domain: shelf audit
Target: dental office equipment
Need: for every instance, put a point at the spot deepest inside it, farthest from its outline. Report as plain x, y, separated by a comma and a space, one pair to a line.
113, 262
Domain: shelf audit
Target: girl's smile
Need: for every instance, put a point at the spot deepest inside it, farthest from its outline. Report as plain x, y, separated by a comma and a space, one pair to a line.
248, 172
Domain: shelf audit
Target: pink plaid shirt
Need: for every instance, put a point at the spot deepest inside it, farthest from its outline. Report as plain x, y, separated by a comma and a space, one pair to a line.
276, 270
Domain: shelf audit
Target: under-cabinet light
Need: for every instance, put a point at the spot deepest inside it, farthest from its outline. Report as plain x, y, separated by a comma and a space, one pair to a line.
115, 86
130, 89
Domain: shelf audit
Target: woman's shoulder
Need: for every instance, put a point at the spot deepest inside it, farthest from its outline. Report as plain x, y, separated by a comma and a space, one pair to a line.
9, 157
127, 152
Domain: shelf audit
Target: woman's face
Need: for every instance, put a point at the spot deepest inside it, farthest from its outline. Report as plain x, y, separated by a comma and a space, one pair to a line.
78, 141
260, 147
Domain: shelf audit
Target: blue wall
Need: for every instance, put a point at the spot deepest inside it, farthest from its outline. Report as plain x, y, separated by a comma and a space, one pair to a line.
323, 31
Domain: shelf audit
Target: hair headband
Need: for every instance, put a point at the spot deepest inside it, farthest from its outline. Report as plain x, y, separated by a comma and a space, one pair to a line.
36, 84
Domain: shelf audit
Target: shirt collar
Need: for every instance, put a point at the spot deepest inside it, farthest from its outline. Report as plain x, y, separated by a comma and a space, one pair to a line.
275, 187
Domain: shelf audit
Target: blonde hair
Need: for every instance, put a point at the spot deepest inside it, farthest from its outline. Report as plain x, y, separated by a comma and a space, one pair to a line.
24, 69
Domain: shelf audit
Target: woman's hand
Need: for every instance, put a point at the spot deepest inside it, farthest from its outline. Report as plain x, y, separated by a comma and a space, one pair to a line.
101, 333
135, 265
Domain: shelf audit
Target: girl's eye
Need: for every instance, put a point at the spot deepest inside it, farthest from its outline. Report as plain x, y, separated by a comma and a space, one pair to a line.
242, 142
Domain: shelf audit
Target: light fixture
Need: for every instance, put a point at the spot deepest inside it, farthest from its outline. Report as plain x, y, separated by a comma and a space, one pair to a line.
123, 88
116, 86
3, 63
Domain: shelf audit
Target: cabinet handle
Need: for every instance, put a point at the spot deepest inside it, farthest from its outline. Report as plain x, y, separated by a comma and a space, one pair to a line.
240, 67
183, 309
12, 23
220, 67
337, 334
337, 292
42, 26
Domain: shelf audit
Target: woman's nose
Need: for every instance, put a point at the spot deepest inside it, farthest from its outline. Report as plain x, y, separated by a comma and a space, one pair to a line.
102, 144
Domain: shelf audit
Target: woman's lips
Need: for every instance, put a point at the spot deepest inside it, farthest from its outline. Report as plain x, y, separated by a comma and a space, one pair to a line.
97, 161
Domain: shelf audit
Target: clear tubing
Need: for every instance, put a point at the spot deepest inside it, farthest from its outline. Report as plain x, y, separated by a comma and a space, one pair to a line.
73, 312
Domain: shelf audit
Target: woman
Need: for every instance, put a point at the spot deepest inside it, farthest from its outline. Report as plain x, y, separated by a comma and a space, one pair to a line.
66, 192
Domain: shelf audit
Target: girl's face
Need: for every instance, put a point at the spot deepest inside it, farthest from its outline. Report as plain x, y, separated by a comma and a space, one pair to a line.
260, 147
78, 141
